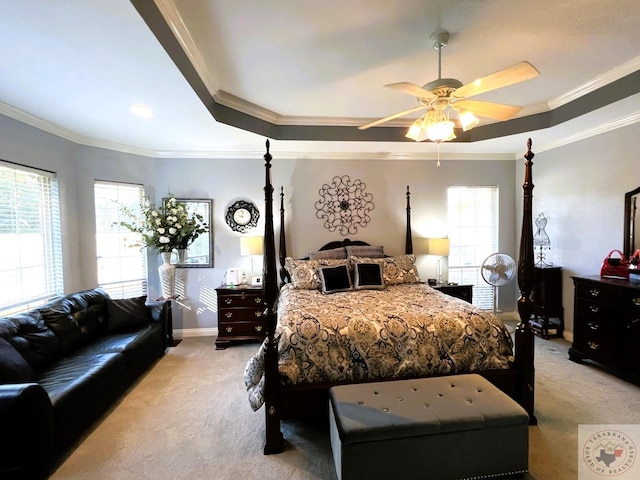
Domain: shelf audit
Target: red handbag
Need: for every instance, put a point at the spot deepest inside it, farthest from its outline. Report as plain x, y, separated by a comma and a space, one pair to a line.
615, 267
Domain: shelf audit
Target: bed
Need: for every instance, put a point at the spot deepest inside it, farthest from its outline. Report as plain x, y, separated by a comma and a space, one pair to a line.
365, 316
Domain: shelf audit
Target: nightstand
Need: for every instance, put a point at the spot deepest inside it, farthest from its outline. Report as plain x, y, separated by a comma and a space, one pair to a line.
240, 314
547, 320
464, 292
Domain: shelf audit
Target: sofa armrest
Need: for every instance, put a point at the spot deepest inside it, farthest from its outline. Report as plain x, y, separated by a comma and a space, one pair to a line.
26, 443
160, 311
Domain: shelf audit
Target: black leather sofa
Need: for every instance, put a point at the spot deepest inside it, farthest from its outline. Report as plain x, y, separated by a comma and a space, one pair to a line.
63, 365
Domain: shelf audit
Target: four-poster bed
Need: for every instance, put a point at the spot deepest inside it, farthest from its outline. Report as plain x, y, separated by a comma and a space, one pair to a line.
277, 372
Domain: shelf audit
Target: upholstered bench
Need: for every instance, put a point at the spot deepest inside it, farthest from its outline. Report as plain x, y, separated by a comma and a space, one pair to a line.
445, 428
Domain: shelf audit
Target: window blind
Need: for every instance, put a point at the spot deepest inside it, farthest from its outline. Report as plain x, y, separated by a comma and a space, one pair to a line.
122, 262
30, 235
473, 236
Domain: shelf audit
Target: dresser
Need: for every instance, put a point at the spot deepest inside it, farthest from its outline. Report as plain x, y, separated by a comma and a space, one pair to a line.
606, 323
465, 292
240, 314
547, 320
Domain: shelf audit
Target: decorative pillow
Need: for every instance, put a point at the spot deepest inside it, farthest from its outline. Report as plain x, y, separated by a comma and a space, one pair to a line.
126, 313
13, 367
365, 251
396, 270
368, 276
339, 252
304, 273
335, 279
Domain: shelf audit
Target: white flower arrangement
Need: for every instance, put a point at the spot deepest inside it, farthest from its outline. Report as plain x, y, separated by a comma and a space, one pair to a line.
166, 228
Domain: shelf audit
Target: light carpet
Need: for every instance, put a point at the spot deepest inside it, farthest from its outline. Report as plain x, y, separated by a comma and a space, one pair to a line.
189, 418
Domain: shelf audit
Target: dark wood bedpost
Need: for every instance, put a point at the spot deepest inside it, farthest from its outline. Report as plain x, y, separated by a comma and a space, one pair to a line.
524, 334
408, 245
282, 252
273, 440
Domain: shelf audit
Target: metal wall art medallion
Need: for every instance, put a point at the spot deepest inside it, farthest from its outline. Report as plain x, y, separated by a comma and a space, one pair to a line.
344, 205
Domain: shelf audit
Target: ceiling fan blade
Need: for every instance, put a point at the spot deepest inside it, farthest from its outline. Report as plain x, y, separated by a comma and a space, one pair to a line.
411, 89
514, 74
391, 117
497, 111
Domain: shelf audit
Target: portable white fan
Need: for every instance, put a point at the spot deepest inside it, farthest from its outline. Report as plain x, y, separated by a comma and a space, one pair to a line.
498, 269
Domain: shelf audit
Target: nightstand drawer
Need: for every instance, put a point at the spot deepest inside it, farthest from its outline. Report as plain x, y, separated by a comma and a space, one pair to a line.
243, 329
239, 314
240, 300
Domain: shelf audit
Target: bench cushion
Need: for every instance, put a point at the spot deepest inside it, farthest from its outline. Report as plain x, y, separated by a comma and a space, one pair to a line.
442, 427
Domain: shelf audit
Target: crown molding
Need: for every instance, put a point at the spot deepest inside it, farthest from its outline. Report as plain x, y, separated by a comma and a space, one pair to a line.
172, 17
624, 121
606, 78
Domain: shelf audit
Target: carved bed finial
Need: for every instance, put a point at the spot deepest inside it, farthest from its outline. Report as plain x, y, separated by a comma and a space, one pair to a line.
408, 244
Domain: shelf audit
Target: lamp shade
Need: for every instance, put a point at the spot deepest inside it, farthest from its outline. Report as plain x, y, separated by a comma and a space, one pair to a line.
439, 246
250, 246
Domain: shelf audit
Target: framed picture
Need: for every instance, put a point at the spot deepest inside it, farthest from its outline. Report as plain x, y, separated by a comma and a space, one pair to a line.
199, 254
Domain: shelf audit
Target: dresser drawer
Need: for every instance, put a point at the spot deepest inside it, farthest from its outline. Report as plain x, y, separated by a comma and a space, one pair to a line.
630, 299
594, 337
594, 309
597, 292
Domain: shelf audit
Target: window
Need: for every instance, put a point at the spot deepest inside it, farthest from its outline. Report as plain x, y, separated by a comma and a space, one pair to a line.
31, 270
473, 236
122, 263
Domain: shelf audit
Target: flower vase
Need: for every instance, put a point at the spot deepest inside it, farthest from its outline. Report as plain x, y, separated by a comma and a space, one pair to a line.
182, 255
167, 273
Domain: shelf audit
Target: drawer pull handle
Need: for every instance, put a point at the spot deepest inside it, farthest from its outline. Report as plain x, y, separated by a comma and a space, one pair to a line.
258, 313
594, 326
229, 329
228, 301
636, 301
258, 299
594, 308
228, 314
243, 296
258, 328
593, 345
594, 292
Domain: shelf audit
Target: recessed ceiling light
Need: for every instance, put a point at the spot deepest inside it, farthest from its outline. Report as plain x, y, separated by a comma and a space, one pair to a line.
141, 110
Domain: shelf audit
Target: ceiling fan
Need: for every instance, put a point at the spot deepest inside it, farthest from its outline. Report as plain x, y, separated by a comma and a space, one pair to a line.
440, 97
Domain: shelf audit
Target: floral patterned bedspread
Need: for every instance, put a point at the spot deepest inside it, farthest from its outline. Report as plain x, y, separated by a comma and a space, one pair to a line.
403, 330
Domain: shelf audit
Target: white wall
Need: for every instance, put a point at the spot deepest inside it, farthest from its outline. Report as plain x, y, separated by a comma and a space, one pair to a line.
580, 188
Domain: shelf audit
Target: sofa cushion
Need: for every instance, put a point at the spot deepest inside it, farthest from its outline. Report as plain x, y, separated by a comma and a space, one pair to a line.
126, 313
137, 347
77, 318
32, 338
75, 380
13, 367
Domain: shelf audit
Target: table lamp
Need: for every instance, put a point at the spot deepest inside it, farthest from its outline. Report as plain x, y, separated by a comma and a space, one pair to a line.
440, 248
252, 247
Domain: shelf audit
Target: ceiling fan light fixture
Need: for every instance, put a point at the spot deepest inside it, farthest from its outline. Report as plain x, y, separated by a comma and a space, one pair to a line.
417, 131
441, 131
468, 120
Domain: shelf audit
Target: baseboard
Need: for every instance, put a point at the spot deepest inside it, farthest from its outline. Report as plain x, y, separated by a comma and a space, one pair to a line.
195, 332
